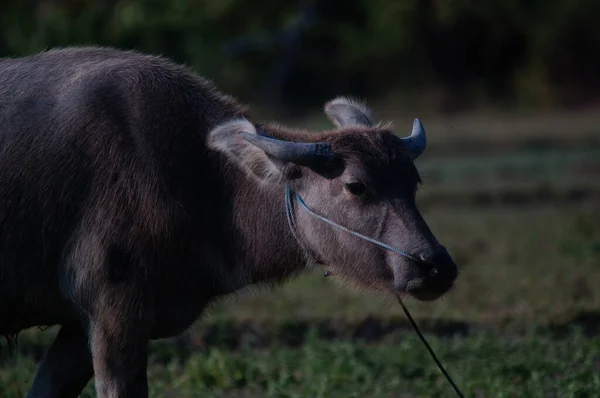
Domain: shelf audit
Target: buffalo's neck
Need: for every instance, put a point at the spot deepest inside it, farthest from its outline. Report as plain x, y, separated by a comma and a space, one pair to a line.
266, 249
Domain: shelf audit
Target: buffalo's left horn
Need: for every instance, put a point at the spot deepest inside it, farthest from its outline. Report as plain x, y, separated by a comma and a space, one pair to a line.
417, 141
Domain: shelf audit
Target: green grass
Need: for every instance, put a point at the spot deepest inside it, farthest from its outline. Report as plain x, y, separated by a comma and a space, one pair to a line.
484, 365
522, 321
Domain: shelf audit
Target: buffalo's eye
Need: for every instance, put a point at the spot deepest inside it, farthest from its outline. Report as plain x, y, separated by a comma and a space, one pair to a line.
356, 188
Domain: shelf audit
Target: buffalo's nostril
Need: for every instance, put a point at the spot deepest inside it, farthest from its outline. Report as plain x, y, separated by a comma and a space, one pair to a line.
442, 266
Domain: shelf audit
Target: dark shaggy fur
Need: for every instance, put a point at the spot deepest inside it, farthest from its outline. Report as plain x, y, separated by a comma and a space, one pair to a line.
128, 203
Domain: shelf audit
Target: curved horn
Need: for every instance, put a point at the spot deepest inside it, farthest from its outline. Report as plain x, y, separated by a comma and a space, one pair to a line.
417, 141
305, 154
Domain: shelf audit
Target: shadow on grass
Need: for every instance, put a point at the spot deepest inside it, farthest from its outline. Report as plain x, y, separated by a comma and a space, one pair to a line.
236, 335
232, 335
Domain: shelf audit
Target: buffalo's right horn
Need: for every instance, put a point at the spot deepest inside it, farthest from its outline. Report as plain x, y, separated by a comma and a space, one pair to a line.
301, 153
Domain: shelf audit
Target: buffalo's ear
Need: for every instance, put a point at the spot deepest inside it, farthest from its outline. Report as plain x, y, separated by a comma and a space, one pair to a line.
346, 112
228, 138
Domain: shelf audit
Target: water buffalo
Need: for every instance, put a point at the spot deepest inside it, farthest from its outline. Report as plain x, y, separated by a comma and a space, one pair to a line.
133, 192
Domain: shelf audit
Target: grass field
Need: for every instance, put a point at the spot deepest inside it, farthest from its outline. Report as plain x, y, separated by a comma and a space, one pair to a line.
523, 223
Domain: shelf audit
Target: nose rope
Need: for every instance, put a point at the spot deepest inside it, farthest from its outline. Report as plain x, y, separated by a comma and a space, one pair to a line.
289, 208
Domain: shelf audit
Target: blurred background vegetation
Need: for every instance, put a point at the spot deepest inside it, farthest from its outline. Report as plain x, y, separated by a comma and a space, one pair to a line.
446, 55
508, 91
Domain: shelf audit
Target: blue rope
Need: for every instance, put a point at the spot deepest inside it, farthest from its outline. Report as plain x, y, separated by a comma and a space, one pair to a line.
289, 209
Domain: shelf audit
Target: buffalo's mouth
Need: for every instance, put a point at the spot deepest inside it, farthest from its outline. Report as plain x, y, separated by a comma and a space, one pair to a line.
426, 294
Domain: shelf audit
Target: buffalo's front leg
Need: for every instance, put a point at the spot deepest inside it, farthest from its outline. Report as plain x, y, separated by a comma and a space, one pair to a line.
66, 367
120, 333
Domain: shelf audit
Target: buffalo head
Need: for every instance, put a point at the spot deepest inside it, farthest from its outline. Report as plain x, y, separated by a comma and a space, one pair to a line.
360, 175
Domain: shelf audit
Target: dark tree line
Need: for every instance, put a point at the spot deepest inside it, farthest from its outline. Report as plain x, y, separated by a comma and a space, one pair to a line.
497, 52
